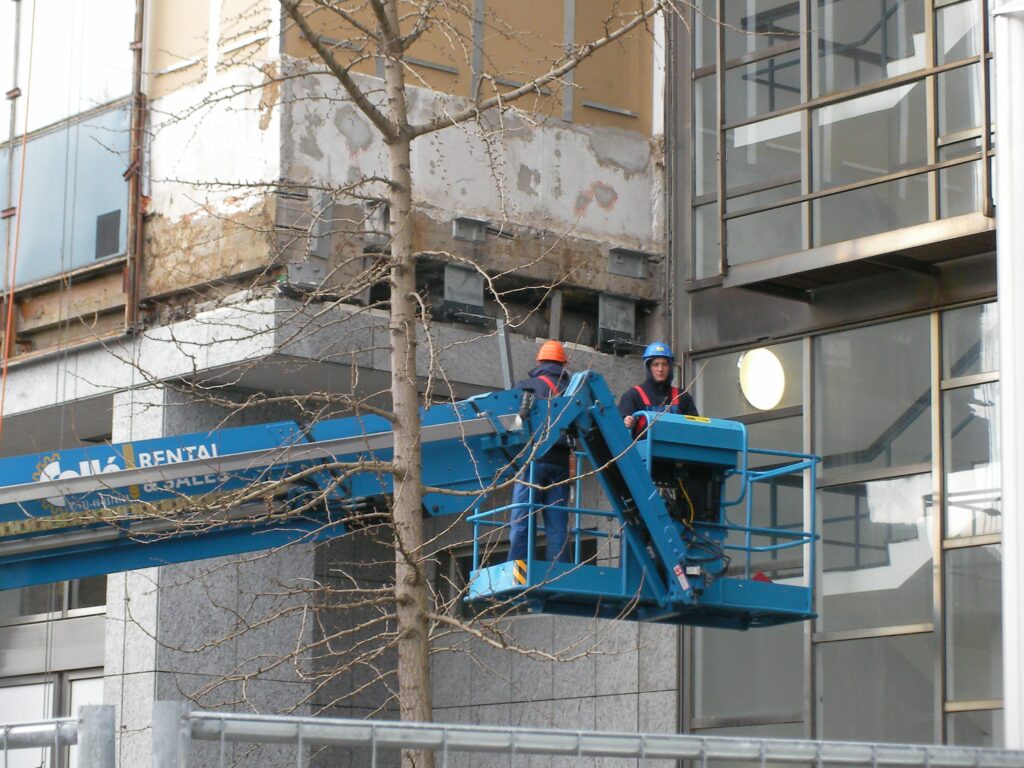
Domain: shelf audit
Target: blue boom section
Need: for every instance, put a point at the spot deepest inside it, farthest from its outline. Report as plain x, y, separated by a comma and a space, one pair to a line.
668, 553
87, 511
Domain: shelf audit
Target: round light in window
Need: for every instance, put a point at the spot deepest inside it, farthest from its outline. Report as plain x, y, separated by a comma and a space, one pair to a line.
762, 380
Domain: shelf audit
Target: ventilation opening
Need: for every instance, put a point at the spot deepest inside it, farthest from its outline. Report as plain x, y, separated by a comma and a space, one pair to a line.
108, 234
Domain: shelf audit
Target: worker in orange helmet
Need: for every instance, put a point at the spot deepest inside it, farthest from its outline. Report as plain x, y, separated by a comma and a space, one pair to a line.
551, 471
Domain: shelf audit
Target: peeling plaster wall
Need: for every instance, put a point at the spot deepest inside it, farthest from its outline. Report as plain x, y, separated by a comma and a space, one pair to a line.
593, 182
213, 149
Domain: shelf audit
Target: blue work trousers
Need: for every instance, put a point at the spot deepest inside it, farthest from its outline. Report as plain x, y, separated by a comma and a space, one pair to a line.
556, 521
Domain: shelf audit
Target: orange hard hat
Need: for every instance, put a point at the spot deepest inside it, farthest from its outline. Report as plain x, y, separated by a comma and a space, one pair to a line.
552, 351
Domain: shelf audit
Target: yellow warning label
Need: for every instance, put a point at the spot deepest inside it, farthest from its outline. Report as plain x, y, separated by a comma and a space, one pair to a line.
701, 419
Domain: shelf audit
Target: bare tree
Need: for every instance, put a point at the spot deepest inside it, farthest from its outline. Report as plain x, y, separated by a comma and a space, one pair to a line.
393, 29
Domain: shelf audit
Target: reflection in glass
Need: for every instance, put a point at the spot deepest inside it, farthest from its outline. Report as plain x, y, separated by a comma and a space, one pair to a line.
83, 61
718, 388
957, 32
766, 665
975, 729
705, 236
767, 731
876, 553
873, 397
3, 180
763, 152
75, 199
970, 340
20, 703
705, 111
763, 86
970, 436
959, 101
756, 25
974, 629
84, 692
870, 210
879, 689
738, 203
870, 136
763, 235
7, 32
774, 504
861, 42
31, 601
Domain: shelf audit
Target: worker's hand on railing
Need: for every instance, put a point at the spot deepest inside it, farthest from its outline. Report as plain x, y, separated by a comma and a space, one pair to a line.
629, 421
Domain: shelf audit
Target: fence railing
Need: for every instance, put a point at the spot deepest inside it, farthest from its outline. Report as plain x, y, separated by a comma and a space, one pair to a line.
92, 731
176, 727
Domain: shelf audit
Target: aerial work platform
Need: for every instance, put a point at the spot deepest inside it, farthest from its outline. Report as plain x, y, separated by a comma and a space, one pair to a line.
671, 548
664, 549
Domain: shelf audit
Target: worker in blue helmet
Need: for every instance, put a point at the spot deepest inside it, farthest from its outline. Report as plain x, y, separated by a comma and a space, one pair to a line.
656, 392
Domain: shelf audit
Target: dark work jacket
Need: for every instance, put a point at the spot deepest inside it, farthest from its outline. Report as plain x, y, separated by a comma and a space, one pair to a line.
660, 396
559, 376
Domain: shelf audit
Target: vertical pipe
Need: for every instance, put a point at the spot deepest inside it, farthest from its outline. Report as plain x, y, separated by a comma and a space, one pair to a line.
723, 258
133, 279
938, 528
1009, 63
568, 41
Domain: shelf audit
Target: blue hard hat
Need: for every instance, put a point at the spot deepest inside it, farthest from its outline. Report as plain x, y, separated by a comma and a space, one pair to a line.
658, 349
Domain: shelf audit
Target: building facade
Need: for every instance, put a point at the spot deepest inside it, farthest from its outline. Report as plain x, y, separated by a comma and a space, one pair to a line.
820, 190
834, 205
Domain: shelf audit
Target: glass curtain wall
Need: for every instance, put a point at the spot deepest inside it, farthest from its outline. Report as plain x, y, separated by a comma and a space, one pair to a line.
907, 643
66, 67
820, 121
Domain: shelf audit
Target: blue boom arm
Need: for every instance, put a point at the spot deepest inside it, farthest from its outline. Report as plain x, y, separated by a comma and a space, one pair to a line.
86, 511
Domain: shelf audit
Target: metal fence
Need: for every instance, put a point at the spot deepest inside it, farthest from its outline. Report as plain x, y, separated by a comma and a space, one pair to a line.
178, 730
92, 731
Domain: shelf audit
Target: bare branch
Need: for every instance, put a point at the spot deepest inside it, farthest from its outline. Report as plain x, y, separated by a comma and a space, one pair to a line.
534, 86
389, 131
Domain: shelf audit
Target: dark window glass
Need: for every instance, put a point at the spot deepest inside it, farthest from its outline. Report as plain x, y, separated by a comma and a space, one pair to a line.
705, 33
763, 235
90, 592
705, 237
880, 689
960, 185
870, 210
767, 665
975, 729
705, 111
974, 627
959, 102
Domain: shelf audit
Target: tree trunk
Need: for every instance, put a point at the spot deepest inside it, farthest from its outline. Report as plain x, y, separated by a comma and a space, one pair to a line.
410, 585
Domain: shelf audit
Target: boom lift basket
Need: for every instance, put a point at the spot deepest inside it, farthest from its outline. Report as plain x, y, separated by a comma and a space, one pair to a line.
674, 491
